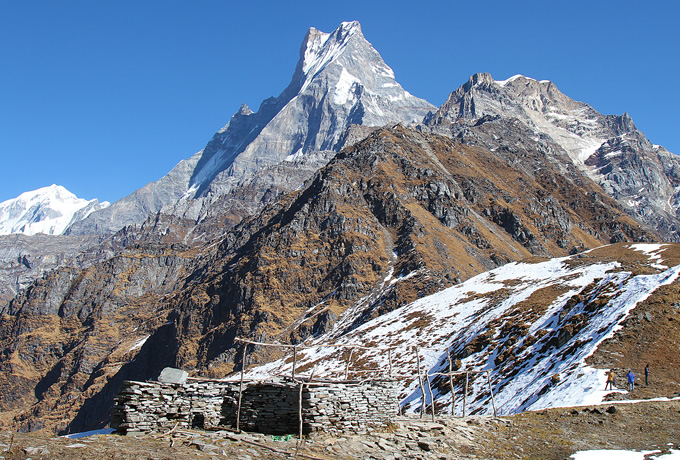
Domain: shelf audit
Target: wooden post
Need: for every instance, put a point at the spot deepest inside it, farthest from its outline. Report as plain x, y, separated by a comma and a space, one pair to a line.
302, 384
493, 401
465, 394
453, 392
300, 419
389, 358
240, 389
294, 360
420, 382
429, 389
351, 351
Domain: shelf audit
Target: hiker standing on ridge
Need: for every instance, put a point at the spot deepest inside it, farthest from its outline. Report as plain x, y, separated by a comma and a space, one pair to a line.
631, 380
647, 375
610, 380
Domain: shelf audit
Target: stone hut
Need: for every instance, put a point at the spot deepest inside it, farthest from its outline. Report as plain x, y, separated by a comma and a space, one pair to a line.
271, 407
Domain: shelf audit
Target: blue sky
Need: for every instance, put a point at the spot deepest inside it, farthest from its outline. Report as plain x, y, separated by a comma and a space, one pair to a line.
103, 97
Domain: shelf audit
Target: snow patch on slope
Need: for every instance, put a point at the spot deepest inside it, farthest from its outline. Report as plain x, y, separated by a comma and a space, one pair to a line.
343, 89
497, 307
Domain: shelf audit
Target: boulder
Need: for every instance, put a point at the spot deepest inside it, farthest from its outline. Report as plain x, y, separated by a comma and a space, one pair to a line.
172, 375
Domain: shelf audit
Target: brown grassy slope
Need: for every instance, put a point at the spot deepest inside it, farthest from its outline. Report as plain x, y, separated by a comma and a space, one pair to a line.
447, 210
399, 200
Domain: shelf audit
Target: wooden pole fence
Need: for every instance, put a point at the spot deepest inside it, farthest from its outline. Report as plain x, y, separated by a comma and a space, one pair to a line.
493, 401
420, 374
465, 395
300, 417
429, 389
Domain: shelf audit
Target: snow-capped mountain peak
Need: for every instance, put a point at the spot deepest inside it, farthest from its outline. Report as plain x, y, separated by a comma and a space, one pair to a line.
317, 50
339, 77
540, 105
608, 148
340, 82
46, 210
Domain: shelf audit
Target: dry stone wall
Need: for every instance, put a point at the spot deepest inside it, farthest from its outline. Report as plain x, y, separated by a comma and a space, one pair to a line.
154, 406
266, 407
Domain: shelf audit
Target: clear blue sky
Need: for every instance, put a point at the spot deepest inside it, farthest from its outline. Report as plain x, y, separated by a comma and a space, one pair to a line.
103, 97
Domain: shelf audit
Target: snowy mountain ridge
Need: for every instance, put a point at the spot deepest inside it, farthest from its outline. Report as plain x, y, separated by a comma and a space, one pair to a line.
340, 81
49, 210
641, 176
575, 126
525, 322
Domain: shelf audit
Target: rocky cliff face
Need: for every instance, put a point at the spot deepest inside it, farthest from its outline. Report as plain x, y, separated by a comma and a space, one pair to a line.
642, 177
422, 208
23, 259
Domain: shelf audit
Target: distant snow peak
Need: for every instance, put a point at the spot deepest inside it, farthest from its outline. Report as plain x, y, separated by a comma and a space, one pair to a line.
46, 210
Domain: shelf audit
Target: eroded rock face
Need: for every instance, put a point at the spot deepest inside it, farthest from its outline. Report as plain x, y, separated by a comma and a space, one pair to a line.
23, 258
421, 207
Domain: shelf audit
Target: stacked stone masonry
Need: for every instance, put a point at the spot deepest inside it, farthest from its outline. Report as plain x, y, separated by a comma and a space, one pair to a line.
268, 407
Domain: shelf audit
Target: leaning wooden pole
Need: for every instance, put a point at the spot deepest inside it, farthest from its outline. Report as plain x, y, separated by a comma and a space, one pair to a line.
294, 360
493, 401
453, 392
302, 384
429, 389
240, 389
465, 394
349, 360
420, 382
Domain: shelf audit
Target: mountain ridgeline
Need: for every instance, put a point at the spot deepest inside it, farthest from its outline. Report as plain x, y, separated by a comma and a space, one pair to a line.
340, 201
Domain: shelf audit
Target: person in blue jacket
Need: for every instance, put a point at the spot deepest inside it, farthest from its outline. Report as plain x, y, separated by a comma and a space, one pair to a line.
631, 380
